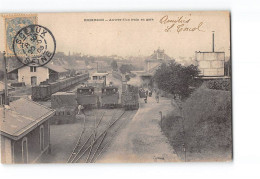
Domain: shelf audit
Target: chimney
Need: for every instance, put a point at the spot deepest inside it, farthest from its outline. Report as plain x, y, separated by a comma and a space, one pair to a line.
213, 43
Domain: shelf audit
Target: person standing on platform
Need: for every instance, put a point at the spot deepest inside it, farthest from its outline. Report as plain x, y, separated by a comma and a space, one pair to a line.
157, 96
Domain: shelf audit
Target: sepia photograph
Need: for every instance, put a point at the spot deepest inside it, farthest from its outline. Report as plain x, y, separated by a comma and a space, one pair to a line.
116, 87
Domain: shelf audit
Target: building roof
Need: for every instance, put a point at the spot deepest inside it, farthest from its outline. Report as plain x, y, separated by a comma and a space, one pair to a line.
208, 52
143, 73
65, 93
86, 87
110, 87
21, 117
99, 74
158, 55
56, 68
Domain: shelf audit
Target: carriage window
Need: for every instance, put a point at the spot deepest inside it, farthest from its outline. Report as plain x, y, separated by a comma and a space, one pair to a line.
24, 150
68, 113
41, 138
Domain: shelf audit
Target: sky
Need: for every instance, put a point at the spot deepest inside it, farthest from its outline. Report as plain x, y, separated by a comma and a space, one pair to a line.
136, 38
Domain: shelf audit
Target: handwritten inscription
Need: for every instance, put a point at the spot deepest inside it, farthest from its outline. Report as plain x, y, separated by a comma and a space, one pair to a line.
180, 24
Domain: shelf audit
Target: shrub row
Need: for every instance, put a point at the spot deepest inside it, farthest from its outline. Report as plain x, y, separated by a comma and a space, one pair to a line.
219, 84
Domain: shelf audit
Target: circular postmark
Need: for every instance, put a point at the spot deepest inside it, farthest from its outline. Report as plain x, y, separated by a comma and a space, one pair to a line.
34, 45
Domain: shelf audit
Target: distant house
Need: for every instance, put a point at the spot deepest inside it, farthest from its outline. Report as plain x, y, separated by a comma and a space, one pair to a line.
35, 75
152, 63
2, 92
24, 131
155, 60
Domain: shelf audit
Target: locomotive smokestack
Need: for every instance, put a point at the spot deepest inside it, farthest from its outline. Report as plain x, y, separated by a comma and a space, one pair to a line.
213, 43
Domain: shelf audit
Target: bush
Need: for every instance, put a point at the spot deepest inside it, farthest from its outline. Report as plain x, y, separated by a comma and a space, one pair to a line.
224, 84
207, 126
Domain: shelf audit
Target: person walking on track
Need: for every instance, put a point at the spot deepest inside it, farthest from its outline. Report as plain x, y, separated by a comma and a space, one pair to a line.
79, 108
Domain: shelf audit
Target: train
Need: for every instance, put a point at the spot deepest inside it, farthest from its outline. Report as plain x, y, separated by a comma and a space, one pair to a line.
130, 97
109, 97
91, 94
44, 91
87, 97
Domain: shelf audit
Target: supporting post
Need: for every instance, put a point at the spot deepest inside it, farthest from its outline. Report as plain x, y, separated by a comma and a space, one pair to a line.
184, 138
6, 100
160, 112
213, 43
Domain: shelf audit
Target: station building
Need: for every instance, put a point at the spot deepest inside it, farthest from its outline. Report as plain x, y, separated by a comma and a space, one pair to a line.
24, 131
155, 60
35, 75
152, 63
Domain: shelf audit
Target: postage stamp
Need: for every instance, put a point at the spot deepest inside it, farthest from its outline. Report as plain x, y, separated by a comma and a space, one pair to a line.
13, 23
34, 45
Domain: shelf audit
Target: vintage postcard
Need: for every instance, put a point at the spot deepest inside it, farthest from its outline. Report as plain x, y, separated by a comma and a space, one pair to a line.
115, 87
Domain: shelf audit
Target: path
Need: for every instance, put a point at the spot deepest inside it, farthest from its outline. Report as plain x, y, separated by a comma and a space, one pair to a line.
142, 139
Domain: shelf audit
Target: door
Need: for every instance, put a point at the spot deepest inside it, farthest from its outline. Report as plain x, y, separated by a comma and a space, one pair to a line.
24, 150
33, 80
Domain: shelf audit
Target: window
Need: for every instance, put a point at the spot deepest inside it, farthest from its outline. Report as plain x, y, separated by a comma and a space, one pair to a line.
24, 150
32, 69
41, 138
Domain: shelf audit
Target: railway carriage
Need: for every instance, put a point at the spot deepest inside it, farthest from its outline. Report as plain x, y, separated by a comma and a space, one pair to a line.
44, 91
109, 97
130, 97
41, 92
86, 97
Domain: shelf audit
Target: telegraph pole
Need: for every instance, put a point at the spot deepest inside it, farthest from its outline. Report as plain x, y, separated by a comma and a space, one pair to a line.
6, 100
213, 41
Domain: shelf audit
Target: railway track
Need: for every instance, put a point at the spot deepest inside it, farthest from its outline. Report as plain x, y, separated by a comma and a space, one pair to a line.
89, 148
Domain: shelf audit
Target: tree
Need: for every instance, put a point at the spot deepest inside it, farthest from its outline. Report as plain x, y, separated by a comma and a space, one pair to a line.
175, 79
114, 65
126, 68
